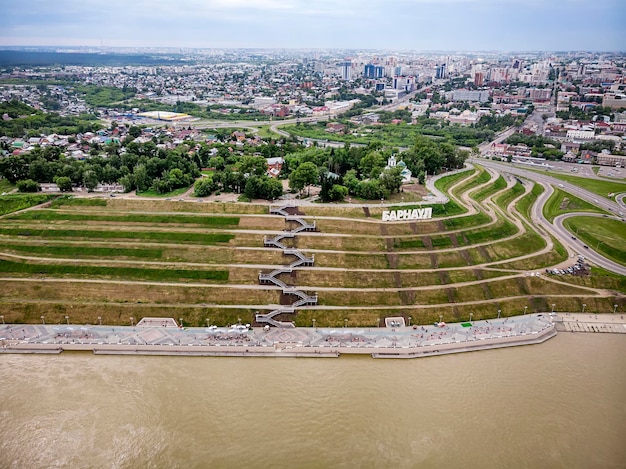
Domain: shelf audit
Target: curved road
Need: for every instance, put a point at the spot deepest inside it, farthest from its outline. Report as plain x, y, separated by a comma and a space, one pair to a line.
558, 230
588, 252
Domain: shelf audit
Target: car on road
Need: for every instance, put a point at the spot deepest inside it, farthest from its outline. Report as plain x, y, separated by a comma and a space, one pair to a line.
585, 246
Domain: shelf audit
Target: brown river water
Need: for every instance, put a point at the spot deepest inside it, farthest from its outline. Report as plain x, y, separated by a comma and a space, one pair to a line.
561, 404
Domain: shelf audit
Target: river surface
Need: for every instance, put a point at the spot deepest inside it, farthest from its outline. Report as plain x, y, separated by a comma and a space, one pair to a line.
561, 404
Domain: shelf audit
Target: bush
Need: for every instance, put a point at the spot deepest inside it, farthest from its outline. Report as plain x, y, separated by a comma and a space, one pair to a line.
28, 185
204, 187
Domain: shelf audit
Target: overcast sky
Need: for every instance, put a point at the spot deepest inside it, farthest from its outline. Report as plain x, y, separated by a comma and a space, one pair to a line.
364, 24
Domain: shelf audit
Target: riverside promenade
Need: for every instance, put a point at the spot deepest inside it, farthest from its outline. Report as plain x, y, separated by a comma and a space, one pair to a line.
164, 337
584, 322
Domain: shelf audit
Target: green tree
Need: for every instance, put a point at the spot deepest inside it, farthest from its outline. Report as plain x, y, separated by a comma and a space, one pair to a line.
90, 179
64, 183
391, 179
27, 185
303, 176
372, 164
256, 165
337, 192
371, 190
134, 132
204, 187
128, 181
351, 181
176, 178
142, 180
217, 162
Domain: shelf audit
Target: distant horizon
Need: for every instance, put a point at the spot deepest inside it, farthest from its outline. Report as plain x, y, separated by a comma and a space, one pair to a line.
50, 47
415, 25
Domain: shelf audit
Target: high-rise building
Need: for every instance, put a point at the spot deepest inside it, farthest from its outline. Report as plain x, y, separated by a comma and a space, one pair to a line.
404, 83
479, 78
346, 70
373, 71
441, 71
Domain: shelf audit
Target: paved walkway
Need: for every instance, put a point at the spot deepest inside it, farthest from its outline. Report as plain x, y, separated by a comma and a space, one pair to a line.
580, 322
384, 342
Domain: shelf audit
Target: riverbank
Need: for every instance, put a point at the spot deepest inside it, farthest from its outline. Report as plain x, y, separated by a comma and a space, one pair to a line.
386, 342
580, 322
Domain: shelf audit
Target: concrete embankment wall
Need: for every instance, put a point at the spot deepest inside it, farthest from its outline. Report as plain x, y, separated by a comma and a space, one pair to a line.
479, 344
285, 350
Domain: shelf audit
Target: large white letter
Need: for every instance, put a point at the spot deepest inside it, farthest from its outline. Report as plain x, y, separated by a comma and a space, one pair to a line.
386, 215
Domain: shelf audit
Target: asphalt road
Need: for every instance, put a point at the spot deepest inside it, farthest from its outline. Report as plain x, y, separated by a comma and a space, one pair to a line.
588, 252
557, 229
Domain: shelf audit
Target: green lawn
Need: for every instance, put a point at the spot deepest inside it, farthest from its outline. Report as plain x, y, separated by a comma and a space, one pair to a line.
52, 215
156, 236
525, 203
80, 202
444, 183
174, 193
466, 222
601, 187
115, 272
605, 235
6, 186
14, 202
75, 252
482, 178
491, 189
266, 132
503, 200
563, 202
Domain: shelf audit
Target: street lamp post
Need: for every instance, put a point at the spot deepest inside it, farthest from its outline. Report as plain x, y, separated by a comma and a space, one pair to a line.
67, 320
2, 317
378, 321
313, 323
410, 321
471, 316
614, 308
499, 311
181, 322
525, 309
553, 305
584, 306
43, 320
132, 321
208, 322
345, 322
441, 318
100, 320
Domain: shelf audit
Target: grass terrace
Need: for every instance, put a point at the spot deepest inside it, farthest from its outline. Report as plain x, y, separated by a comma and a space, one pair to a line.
121, 257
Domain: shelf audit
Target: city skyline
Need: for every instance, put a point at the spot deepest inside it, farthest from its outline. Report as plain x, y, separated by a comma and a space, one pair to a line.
451, 25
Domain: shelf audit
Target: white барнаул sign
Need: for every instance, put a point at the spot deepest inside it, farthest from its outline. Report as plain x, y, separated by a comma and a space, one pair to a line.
409, 214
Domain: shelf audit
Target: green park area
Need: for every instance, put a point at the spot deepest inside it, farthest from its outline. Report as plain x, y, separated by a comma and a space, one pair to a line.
121, 257
602, 187
605, 235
